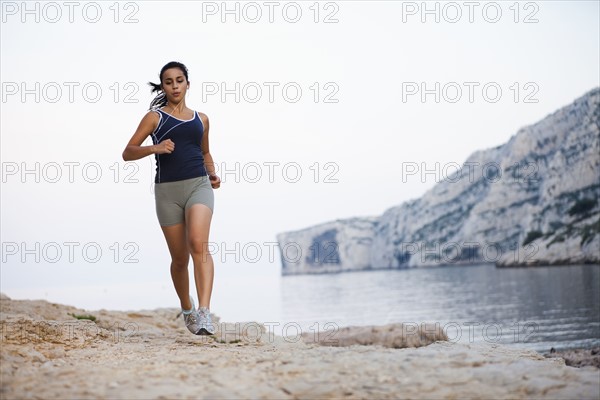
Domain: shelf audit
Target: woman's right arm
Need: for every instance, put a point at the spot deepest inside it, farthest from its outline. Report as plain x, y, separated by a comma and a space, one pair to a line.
134, 149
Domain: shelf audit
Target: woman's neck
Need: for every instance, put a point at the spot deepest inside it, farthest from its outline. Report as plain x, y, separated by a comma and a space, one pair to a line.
176, 108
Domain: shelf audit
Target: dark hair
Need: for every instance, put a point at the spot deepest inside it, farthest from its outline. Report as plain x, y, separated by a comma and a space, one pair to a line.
161, 99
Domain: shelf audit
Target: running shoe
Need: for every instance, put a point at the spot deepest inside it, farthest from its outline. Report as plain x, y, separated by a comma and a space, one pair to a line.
206, 326
191, 318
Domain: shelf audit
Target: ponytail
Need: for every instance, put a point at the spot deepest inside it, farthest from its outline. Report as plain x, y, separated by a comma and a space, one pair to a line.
161, 98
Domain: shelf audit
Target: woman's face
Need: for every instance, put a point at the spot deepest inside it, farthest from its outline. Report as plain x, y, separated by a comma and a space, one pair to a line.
174, 85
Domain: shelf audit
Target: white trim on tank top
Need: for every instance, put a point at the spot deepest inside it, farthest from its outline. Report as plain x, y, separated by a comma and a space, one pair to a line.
184, 120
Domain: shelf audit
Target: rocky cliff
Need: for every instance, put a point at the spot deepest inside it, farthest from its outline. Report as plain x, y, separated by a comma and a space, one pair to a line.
342, 245
532, 201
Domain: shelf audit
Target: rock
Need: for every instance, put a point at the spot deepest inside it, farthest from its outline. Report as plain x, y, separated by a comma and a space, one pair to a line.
577, 357
342, 245
531, 201
395, 335
240, 332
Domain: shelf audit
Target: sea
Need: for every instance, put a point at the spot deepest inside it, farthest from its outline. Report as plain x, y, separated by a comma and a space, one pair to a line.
535, 307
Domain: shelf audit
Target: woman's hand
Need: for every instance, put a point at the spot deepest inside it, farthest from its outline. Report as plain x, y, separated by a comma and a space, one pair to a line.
215, 181
165, 147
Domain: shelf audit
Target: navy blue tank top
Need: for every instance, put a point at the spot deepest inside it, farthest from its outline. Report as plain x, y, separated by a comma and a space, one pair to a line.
186, 161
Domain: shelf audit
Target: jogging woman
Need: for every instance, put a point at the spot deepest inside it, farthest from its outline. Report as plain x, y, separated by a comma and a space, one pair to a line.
183, 190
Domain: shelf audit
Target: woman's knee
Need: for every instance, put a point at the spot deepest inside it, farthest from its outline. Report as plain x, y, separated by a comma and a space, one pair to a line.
180, 262
198, 246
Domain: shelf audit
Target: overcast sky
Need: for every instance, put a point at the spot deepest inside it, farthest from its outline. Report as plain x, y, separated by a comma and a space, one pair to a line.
314, 109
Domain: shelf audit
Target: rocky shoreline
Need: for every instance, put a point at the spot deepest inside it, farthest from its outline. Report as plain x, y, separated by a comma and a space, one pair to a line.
577, 357
53, 351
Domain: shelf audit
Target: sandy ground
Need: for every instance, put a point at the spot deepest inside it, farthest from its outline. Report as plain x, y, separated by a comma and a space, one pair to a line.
47, 353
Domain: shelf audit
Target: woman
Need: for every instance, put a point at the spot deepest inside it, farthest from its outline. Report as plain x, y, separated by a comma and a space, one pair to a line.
183, 190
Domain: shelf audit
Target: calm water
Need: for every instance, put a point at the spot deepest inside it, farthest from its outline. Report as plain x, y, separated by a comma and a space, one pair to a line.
536, 308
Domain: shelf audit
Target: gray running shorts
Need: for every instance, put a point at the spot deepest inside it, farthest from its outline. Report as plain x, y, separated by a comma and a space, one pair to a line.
174, 198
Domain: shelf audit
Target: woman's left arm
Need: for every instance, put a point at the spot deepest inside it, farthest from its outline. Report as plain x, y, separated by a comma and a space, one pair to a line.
209, 164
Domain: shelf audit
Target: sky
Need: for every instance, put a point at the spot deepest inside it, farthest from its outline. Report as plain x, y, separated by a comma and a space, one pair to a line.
315, 108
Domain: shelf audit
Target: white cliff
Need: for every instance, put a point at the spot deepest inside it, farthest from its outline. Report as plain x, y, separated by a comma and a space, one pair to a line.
531, 201
341, 245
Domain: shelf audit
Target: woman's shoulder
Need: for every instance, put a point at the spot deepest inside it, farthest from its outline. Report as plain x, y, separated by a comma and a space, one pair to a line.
153, 115
203, 117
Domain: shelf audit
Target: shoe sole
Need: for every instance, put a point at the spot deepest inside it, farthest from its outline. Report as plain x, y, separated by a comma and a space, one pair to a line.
204, 332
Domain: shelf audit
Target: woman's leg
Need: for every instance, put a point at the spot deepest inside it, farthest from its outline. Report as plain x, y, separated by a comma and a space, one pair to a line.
198, 218
180, 257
